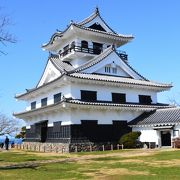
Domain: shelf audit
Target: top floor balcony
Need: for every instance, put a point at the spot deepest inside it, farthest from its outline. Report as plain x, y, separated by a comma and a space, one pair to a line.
79, 49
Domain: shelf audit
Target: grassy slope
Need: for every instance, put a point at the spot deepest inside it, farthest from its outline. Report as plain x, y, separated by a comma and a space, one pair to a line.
117, 165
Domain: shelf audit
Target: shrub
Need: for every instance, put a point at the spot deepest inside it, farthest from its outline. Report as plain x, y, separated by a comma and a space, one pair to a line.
130, 140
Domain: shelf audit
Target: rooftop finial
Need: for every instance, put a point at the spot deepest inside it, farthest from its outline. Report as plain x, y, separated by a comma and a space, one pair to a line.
71, 22
97, 10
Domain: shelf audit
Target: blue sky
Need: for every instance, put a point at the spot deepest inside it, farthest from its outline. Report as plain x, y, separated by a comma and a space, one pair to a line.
155, 51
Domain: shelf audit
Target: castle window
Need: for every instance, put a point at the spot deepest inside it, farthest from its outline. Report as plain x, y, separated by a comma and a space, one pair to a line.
143, 99
108, 69
57, 97
89, 96
33, 105
84, 44
97, 48
119, 98
43, 102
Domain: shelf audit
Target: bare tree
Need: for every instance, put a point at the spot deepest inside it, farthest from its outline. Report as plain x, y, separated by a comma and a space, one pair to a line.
8, 125
175, 100
5, 36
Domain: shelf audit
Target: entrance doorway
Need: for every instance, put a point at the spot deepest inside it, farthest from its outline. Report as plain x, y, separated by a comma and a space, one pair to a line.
165, 138
41, 130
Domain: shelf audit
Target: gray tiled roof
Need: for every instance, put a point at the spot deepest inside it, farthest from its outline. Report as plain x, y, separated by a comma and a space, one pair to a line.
62, 66
135, 105
60, 34
116, 79
160, 116
103, 32
102, 104
93, 16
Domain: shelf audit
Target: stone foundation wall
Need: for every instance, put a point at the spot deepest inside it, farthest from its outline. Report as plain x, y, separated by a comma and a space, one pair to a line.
66, 147
87, 147
44, 147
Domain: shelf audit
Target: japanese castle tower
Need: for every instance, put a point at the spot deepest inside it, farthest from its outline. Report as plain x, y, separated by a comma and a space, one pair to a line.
88, 92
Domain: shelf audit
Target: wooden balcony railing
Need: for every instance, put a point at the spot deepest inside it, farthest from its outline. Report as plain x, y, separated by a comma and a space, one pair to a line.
81, 49
95, 51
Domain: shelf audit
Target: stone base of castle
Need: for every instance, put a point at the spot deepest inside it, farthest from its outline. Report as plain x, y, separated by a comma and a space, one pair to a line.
67, 147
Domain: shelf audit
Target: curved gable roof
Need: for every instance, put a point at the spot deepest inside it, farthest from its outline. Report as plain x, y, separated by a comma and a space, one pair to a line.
92, 17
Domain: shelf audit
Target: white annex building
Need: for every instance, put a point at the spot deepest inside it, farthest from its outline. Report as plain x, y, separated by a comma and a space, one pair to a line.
89, 93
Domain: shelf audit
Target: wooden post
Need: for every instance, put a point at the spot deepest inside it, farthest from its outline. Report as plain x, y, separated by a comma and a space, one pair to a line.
122, 146
111, 147
39, 147
34, 147
117, 146
44, 148
51, 148
149, 145
103, 147
90, 148
75, 148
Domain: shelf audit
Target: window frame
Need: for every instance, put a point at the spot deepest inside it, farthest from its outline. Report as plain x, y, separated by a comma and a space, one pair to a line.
33, 105
145, 99
88, 97
57, 98
107, 69
121, 99
44, 102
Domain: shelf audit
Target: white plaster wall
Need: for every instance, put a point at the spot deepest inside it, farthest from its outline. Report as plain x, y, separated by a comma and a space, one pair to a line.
63, 116
104, 92
148, 134
64, 90
177, 128
103, 116
65, 43
74, 116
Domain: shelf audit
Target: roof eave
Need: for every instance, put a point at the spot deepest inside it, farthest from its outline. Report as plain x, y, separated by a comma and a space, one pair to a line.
25, 95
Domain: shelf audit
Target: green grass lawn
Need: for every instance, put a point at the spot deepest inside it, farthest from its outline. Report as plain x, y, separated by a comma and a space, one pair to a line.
123, 164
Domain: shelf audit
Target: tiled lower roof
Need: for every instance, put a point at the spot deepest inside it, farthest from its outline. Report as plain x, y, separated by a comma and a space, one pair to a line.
156, 106
101, 104
118, 80
62, 66
160, 116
